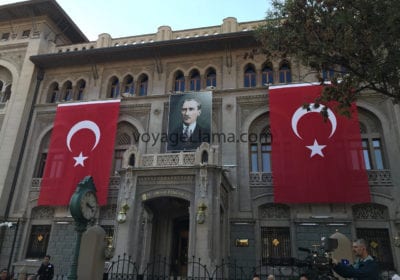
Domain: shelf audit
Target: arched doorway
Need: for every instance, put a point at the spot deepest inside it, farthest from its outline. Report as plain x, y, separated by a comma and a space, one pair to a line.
169, 232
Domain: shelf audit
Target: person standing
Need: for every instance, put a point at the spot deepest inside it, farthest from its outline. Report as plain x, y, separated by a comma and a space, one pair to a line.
364, 268
46, 269
4, 274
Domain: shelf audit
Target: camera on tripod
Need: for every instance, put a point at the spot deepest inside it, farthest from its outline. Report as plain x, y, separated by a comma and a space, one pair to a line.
319, 260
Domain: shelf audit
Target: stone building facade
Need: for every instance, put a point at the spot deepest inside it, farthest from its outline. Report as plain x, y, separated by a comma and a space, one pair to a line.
213, 203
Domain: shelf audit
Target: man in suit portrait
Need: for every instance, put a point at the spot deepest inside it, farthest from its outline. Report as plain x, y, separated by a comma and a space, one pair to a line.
189, 133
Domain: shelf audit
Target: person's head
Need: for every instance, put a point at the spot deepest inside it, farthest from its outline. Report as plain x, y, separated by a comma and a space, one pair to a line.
303, 277
256, 277
46, 259
271, 277
360, 248
190, 110
3, 273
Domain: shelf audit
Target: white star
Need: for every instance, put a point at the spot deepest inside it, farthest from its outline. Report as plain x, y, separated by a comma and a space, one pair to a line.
79, 160
316, 149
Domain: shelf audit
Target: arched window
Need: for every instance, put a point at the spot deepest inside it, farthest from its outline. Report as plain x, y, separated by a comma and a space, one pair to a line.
195, 81
128, 85
114, 88
7, 93
80, 89
53, 94
328, 74
267, 74
371, 141
41, 159
179, 81
249, 76
127, 135
211, 78
143, 84
67, 91
285, 75
260, 151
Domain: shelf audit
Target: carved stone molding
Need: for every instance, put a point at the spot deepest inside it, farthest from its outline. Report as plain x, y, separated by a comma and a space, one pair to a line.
370, 211
173, 179
274, 211
42, 212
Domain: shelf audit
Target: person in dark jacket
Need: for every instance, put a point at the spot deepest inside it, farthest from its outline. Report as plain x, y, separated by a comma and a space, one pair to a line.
46, 269
364, 268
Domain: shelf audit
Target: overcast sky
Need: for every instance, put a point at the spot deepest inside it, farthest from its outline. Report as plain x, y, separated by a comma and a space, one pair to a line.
122, 18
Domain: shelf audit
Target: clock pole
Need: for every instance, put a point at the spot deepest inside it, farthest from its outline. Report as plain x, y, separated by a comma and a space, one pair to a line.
80, 227
83, 207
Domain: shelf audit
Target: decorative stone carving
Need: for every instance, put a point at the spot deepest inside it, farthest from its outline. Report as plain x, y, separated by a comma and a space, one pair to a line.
370, 211
274, 211
42, 212
166, 180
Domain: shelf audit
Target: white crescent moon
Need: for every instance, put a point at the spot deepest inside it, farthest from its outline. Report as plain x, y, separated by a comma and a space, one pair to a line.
83, 125
301, 112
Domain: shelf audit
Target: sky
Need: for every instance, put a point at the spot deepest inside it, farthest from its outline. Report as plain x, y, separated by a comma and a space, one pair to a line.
123, 18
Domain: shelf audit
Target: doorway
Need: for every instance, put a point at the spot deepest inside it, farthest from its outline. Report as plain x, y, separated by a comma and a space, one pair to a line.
169, 232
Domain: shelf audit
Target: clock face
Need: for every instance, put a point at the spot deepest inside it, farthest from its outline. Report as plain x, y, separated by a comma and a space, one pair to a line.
89, 205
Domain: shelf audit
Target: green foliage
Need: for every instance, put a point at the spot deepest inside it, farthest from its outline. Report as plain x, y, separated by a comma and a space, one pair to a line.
358, 39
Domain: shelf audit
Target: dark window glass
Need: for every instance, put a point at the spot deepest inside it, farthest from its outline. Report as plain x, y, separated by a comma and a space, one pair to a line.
179, 82
254, 157
38, 241
143, 85
211, 79
249, 77
275, 243
195, 84
267, 76
42, 163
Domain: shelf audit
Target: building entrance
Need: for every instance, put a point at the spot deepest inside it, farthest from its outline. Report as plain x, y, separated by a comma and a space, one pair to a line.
169, 232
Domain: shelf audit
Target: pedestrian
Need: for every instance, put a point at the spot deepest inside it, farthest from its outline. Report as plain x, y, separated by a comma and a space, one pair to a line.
46, 269
364, 268
4, 274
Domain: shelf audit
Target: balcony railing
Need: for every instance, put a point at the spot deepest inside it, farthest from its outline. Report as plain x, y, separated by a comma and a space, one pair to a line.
376, 178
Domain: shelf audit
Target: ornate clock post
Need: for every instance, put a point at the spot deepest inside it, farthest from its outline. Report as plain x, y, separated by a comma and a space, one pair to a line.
83, 206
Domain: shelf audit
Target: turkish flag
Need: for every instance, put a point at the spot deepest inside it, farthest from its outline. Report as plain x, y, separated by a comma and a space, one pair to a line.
81, 144
314, 160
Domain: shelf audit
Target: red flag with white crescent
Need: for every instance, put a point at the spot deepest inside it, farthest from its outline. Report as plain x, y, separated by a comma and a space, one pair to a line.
81, 144
314, 161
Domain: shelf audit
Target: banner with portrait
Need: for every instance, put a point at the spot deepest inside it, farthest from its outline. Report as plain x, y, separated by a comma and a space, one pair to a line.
189, 121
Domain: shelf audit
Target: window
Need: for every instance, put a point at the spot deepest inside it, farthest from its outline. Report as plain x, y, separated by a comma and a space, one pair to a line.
211, 78
275, 242
285, 75
328, 74
67, 91
129, 87
26, 33
38, 241
260, 153
249, 76
7, 94
53, 93
114, 89
40, 169
179, 82
371, 143
5, 36
80, 89
267, 74
118, 157
195, 81
143, 84
378, 241
373, 155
